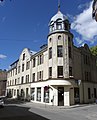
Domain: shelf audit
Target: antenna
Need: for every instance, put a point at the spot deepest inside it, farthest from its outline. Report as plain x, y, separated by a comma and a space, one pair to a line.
58, 5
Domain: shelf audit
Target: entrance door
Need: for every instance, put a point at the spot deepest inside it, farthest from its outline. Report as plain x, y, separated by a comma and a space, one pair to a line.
76, 95
60, 96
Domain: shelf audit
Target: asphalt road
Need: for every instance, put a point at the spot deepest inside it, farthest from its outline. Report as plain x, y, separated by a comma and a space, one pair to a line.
83, 112
34, 111
12, 112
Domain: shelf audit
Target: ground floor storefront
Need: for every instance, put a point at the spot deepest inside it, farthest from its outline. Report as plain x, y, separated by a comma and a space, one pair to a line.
56, 92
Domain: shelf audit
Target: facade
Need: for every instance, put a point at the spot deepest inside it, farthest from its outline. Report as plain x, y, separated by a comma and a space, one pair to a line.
60, 74
94, 13
3, 80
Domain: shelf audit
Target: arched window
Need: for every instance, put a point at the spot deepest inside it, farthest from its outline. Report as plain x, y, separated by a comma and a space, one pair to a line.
59, 37
59, 24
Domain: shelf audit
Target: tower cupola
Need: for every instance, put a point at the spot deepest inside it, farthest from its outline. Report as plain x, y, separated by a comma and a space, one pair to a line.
59, 22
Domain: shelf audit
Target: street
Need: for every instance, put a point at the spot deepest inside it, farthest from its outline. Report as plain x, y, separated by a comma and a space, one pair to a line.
11, 112
34, 111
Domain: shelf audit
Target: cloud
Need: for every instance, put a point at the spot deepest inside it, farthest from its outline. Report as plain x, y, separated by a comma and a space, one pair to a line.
84, 6
85, 26
2, 3
2, 56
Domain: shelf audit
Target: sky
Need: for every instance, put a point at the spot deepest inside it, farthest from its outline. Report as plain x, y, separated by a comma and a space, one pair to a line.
24, 23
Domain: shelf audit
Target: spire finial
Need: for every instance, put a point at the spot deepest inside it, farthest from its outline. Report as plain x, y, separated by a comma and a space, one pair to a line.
58, 5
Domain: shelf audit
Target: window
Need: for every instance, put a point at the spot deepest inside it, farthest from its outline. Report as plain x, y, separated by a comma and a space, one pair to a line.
59, 37
27, 65
18, 69
60, 71
38, 94
59, 26
70, 56
40, 75
13, 72
32, 93
22, 93
14, 92
27, 78
87, 76
15, 81
59, 51
27, 91
50, 53
69, 39
66, 26
40, 59
46, 96
10, 82
22, 80
94, 92
34, 62
22, 67
7, 83
50, 72
24, 56
33, 77
18, 82
17, 92
70, 71
89, 93
50, 39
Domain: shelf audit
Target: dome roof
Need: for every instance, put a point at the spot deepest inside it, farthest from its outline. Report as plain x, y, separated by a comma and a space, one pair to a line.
60, 16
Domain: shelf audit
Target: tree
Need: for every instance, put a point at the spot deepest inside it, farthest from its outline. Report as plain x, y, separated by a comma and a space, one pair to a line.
94, 52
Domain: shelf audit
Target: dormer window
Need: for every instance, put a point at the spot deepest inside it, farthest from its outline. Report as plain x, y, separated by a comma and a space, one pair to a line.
58, 26
24, 56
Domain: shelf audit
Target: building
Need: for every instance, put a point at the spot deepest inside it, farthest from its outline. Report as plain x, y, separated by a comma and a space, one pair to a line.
94, 11
3, 80
60, 74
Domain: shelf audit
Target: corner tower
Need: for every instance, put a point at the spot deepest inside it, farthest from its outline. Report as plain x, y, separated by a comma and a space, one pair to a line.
60, 45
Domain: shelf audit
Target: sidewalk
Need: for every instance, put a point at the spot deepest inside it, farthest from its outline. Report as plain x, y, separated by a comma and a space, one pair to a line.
42, 106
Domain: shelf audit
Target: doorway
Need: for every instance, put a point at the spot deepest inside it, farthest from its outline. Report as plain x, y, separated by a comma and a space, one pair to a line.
60, 96
76, 95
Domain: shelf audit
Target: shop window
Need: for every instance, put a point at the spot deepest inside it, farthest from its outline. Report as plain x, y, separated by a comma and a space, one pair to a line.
39, 94
32, 93
46, 96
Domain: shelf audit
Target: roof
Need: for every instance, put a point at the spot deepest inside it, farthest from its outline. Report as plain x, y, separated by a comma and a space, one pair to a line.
60, 16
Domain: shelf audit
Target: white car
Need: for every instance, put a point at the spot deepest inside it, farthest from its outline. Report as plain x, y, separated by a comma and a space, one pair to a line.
1, 102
